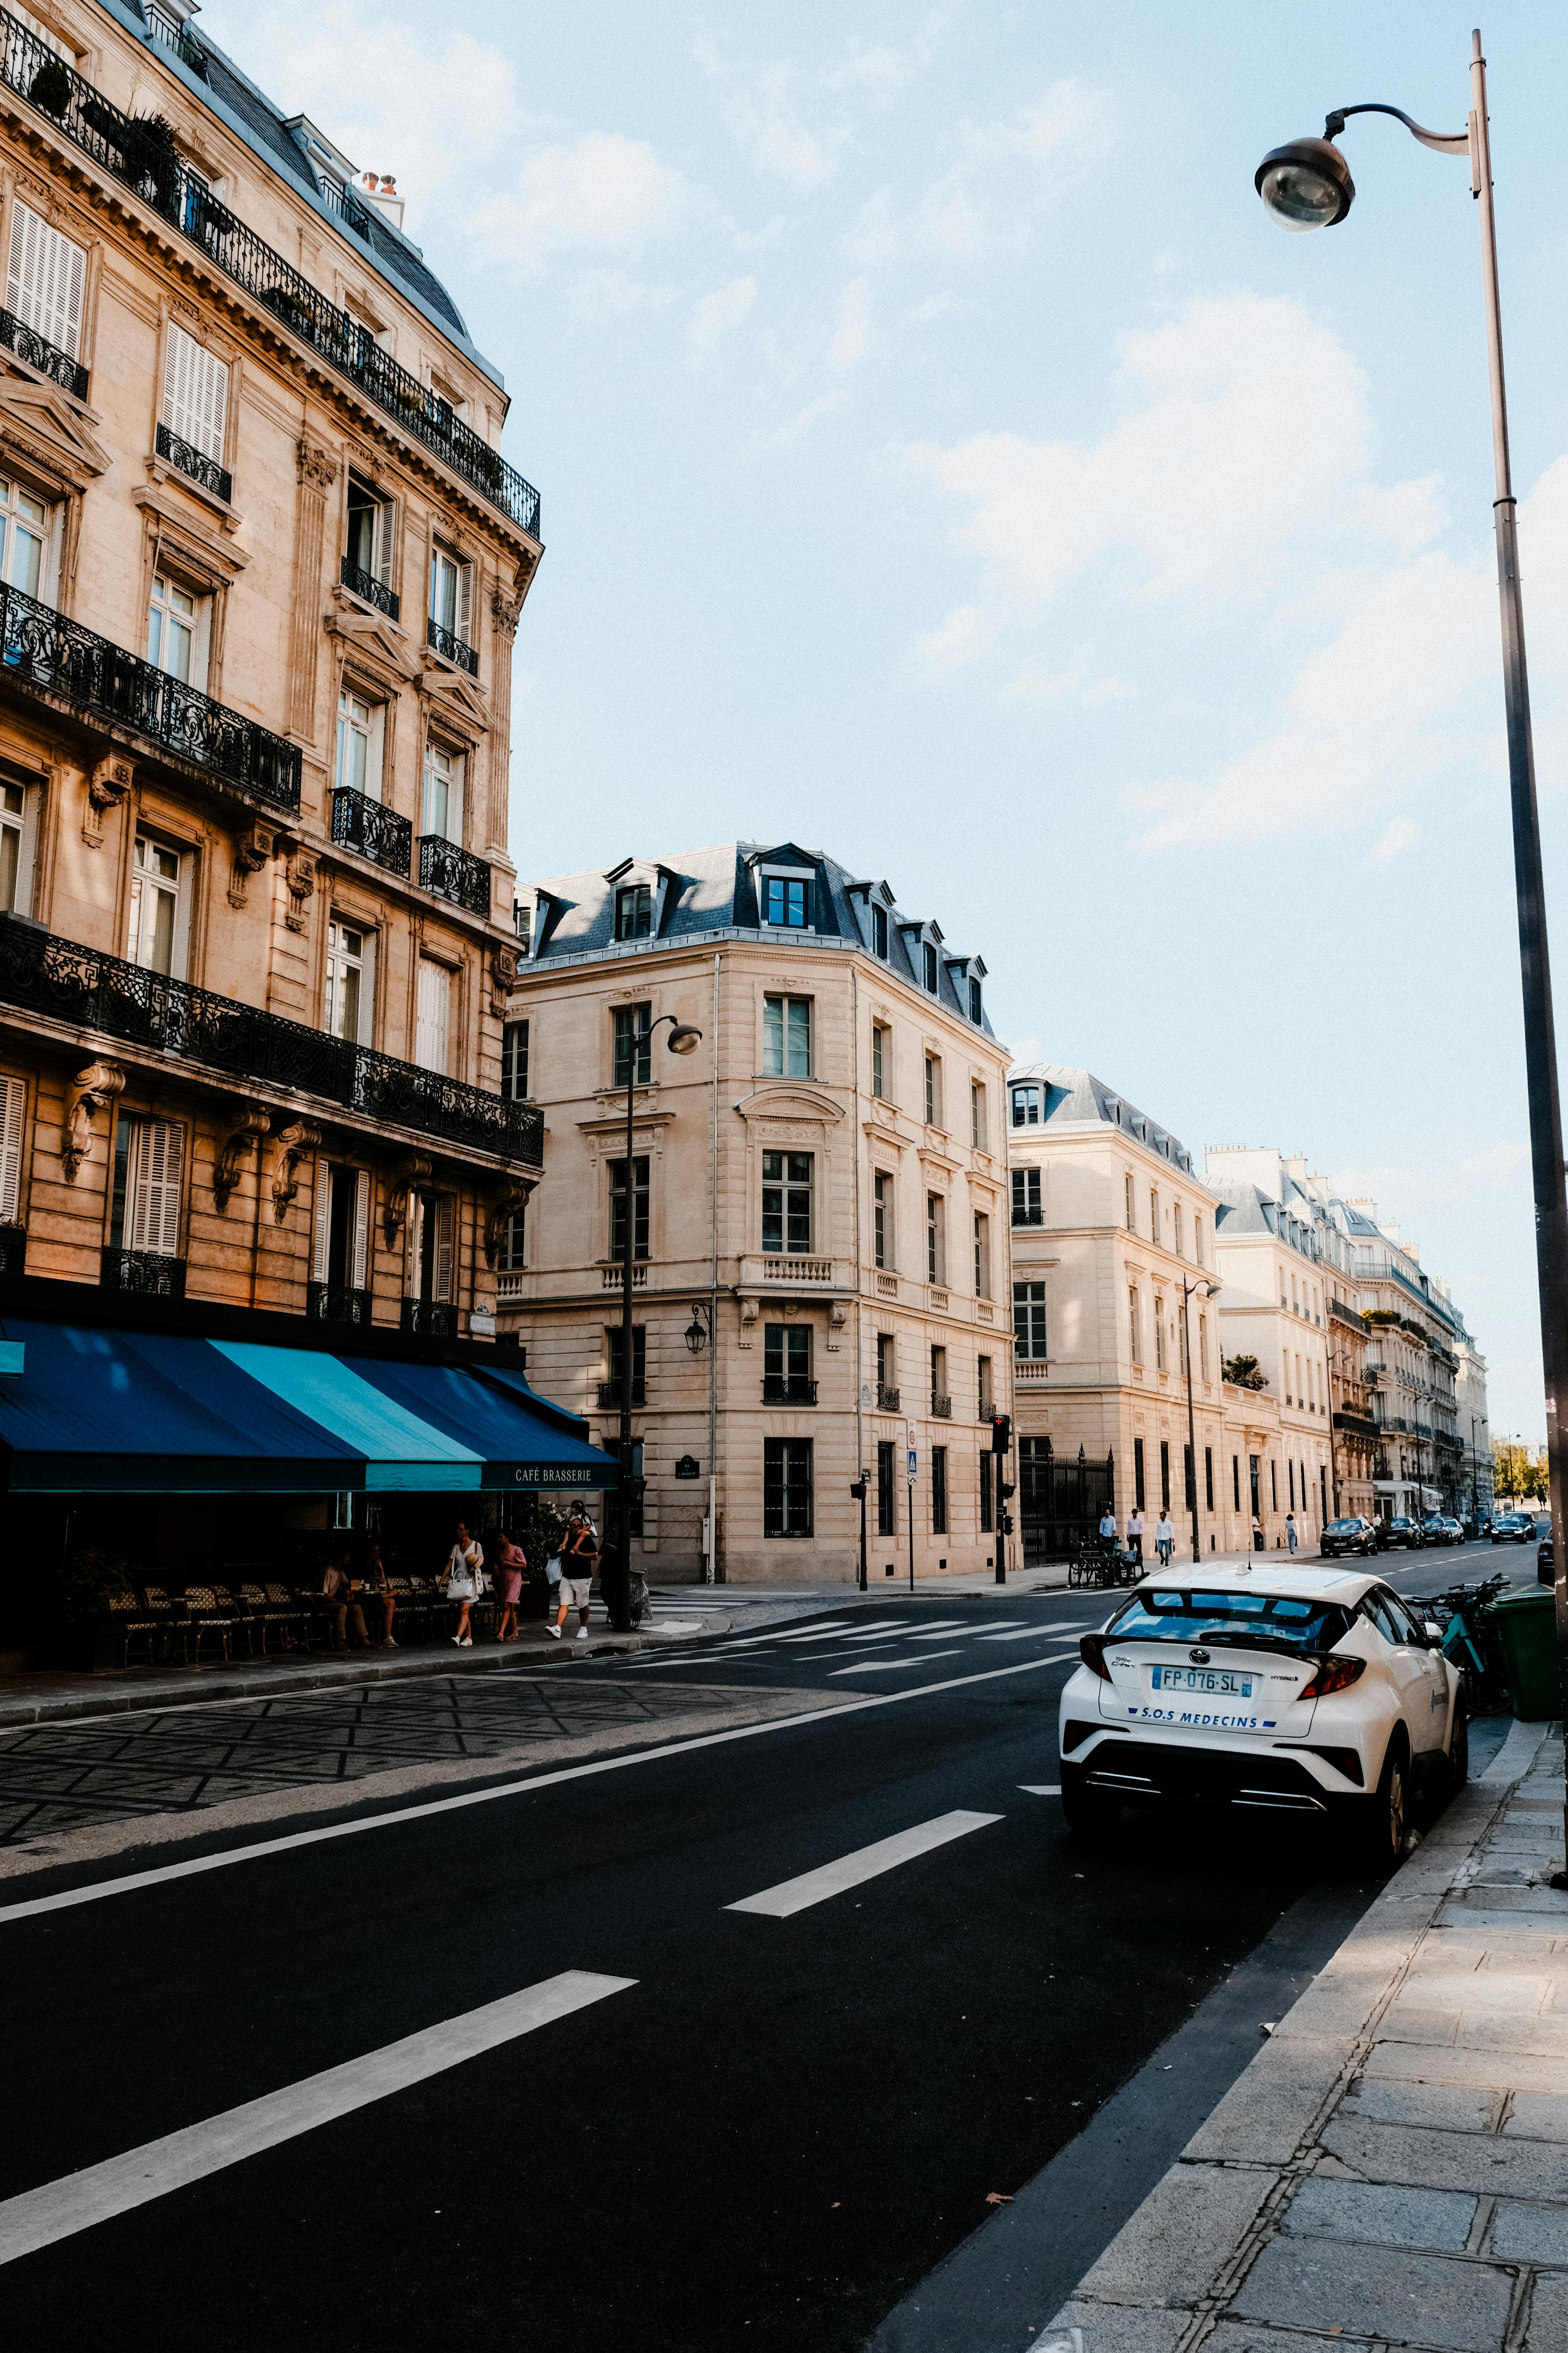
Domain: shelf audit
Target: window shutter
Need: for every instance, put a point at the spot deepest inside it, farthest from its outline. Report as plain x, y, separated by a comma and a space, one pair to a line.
466, 602
196, 395
431, 1017
155, 1192
446, 1245
44, 279
381, 562
362, 1228
320, 1237
13, 1103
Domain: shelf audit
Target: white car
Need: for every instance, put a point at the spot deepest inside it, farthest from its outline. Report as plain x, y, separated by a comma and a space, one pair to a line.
1305, 1691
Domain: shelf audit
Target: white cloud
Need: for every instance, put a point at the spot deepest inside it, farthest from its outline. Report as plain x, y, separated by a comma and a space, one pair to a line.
935, 306
968, 632
875, 237
714, 316
992, 194
851, 328
762, 117
602, 193
1076, 684
1400, 834
805, 418
600, 294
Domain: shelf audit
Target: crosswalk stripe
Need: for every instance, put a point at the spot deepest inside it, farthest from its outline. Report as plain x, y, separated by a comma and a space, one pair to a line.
792, 1895
1041, 1788
1024, 1634
78, 2201
886, 1666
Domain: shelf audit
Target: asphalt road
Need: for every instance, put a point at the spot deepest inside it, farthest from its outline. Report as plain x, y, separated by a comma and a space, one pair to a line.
703, 2127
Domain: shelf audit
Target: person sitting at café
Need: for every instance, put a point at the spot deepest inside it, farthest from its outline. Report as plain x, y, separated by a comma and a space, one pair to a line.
376, 1583
340, 1591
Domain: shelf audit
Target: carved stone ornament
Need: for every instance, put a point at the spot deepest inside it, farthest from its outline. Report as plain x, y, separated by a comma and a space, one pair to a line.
302, 883
506, 608
252, 849
293, 1142
92, 1090
512, 1197
318, 467
402, 1179
748, 1322
251, 1127
504, 977
107, 784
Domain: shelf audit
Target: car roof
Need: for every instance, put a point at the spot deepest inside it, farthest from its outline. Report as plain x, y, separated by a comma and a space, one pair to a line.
1309, 1583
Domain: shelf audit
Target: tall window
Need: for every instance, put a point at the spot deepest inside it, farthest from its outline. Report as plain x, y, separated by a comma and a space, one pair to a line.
633, 1043
928, 966
1025, 1106
155, 932
986, 1511
349, 991
634, 912
1130, 1213
1176, 1228
196, 395
887, 1523
618, 1207
1208, 1478
144, 1209
881, 1059
787, 1201
1158, 1334
1235, 1480
1203, 1347
433, 1247
13, 1109
939, 1380
514, 1061
44, 281
1198, 1239
360, 724
1138, 1495
174, 631
887, 1372
936, 1237
1029, 1322
786, 1037
1134, 1324
616, 1340
444, 776
1189, 1489
511, 1251
369, 549
340, 1248
982, 1255
1164, 1474
1153, 1215
977, 1115
786, 902
881, 1220
452, 594
433, 1015
1028, 1210
15, 892
879, 931
939, 1490
787, 1364
976, 1008
985, 1393
25, 526
786, 1486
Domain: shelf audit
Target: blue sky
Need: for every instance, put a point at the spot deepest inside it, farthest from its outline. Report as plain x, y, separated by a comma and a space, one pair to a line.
945, 462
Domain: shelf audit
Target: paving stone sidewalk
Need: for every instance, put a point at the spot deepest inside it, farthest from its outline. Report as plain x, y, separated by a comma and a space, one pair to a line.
1392, 2170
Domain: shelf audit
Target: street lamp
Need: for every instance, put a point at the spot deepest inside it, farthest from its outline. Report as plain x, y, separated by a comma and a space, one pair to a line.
697, 1330
1193, 1291
1307, 185
682, 1039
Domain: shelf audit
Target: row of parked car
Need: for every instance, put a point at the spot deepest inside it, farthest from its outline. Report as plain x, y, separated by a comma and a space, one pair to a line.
1360, 1534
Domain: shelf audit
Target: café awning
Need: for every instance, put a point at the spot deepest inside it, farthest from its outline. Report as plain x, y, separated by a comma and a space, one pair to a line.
106, 1411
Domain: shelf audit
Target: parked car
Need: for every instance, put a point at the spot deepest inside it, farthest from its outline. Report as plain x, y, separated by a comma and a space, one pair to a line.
1458, 1532
1352, 1535
1435, 1529
1513, 1527
1546, 1561
1311, 1692
1409, 1533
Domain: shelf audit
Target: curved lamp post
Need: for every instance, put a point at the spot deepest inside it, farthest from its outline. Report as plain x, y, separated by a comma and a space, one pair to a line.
682, 1039
1307, 185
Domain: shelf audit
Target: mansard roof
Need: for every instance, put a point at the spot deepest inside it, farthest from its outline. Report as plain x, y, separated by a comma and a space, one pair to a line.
1071, 1096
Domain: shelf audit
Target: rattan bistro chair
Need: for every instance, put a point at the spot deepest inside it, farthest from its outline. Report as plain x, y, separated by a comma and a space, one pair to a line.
170, 1615
135, 1622
285, 1613
210, 1616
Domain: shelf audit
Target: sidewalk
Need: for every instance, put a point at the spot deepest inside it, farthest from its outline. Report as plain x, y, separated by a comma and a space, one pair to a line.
1392, 2168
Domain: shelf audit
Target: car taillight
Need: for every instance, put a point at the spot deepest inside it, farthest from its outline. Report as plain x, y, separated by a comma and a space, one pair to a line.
1334, 1674
1092, 1651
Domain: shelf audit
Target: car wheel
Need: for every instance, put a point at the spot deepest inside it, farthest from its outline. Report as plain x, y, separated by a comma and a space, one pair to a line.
1383, 1824
1091, 1814
1460, 1747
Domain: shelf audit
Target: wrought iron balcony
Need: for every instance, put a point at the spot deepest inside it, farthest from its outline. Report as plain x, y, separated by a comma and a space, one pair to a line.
366, 585
430, 1319
168, 31
338, 1302
887, 1398
55, 978
610, 1392
451, 649
144, 1271
39, 647
39, 352
453, 873
189, 459
13, 1252
788, 1388
138, 152
942, 1406
374, 830
1033, 1215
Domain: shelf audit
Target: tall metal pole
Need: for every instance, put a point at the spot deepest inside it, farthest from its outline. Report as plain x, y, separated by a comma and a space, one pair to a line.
1187, 1291
619, 1602
1535, 974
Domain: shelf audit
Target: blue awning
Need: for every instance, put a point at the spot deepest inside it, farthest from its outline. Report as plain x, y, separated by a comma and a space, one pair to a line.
100, 1411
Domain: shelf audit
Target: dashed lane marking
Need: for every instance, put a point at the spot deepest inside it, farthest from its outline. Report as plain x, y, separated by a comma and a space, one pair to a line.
1041, 1788
792, 1895
887, 1666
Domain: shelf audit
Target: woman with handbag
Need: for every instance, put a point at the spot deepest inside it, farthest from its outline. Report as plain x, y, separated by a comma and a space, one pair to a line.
460, 1581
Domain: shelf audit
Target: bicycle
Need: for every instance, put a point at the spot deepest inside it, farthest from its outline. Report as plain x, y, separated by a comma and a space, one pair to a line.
1468, 1642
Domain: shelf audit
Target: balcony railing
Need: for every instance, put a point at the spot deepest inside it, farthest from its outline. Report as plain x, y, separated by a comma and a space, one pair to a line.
455, 873
65, 983
1033, 1214
942, 1406
887, 1398
144, 1271
40, 648
39, 352
338, 1302
145, 160
366, 585
168, 30
430, 1319
451, 649
189, 459
788, 1388
374, 830
610, 1392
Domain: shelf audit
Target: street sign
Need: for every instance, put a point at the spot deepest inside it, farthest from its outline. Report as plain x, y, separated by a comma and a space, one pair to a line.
865, 1396
689, 1467
912, 1471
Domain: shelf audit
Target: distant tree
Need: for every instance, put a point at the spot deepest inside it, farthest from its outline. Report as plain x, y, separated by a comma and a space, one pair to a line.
1243, 1373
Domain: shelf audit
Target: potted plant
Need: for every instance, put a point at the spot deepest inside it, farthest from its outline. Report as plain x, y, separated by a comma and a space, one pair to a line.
86, 1586
50, 89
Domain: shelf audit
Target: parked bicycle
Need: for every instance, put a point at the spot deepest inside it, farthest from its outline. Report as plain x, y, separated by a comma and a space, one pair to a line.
1098, 1563
1469, 1641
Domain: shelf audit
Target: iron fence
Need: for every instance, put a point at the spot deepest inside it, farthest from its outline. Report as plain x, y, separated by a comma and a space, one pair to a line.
374, 830
455, 873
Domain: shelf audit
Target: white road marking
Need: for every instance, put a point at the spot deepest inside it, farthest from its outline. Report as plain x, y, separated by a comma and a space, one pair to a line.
132, 1881
943, 1625
1024, 1634
886, 1666
792, 1895
1041, 1788
39, 2218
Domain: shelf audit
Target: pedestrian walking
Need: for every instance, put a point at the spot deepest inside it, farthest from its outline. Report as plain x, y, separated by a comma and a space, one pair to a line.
1135, 1535
1164, 1537
513, 1561
579, 1560
337, 1591
1256, 1533
1107, 1529
460, 1579
1290, 1530
376, 1583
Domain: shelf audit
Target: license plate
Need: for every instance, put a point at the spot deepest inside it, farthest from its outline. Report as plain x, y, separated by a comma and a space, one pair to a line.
1203, 1679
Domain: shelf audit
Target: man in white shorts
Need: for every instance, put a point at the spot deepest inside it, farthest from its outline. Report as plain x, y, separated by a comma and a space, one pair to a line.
579, 1561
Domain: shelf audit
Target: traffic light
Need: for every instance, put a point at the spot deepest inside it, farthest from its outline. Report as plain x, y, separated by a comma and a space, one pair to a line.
1006, 1524
1000, 1433
1007, 1493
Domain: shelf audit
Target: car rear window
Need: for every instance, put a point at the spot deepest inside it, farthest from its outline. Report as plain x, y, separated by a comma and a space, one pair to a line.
1191, 1615
1343, 1527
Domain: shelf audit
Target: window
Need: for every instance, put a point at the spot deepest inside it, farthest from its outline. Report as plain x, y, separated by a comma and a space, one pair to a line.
1235, 1480
176, 631
976, 1009
1164, 1474
1026, 1205
787, 1201
369, 549
932, 1090
879, 931
1177, 1229
1198, 1239
1291, 1476
1025, 1106
938, 1377
985, 1396
616, 1341
936, 1237
361, 727
786, 1486
1138, 1473
433, 1247
511, 1256
452, 594
986, 1511
1029, 1322
156, 931
786, 1037
881, 1059
928, 967
787, 1364
882, 1220
25, 527
340, 1250
633, 1043
939, 1490
887, 1524
634, 912
618, 1207
196, 395
444, 776
16, 848
144, 1213
1158, 1334
1208, 1478
351, 991
1153, 1215
1131, 1219
1134, 1324
982, 1255
1203, 1347
977, 1115
887, 1370
44, 281
786, 902
1274, 1485
514, 1061
13, 1106
431, 1016
1189, 1490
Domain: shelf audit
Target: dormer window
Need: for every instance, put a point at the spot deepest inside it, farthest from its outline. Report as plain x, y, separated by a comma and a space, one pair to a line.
976, 1009
879, 931
786, 902
928, 961
634, 912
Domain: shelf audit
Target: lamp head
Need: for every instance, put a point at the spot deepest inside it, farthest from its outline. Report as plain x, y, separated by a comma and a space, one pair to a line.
1306, 185
697, 1332
683, 1039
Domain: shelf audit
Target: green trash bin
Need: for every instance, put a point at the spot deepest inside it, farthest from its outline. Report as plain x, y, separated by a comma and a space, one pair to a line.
1525, 1624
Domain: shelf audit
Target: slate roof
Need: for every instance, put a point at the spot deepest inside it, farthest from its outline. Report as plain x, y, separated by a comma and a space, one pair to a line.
1246, 1209
1071, 1096
715, 890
